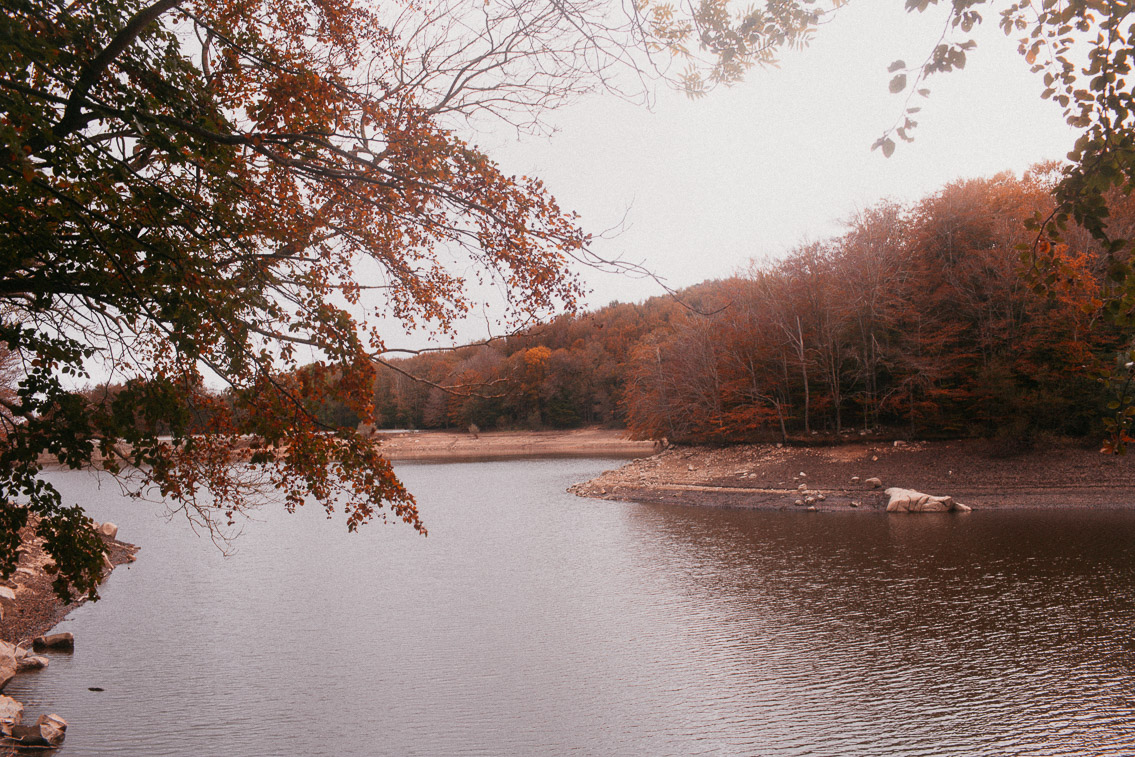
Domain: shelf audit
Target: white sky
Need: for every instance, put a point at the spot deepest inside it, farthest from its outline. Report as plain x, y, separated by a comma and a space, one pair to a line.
706, 185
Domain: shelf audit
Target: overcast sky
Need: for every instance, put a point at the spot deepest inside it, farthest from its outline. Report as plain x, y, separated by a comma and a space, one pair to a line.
747, 172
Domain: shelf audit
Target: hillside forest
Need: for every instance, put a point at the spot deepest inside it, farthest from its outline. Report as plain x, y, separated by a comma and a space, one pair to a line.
922, 320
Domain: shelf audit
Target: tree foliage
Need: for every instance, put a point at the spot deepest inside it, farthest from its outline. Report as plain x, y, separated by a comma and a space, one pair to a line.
917, 320
193, 192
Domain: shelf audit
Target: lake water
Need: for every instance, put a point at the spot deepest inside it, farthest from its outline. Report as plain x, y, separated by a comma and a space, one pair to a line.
533, 622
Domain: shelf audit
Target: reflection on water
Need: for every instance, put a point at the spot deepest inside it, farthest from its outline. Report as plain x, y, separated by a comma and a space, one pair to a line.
534, 622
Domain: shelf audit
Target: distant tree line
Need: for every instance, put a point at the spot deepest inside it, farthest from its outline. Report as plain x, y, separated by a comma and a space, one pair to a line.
920, 320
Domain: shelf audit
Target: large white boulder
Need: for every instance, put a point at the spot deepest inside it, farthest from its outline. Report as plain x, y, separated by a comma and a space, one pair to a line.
911, 501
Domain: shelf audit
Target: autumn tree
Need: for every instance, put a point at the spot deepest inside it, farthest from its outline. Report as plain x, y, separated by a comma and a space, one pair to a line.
195, 193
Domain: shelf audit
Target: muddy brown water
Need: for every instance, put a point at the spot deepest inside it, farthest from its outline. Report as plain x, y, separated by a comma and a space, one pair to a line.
533, 622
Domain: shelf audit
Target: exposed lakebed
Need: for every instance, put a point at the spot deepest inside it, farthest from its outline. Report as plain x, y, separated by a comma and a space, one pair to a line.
532, 621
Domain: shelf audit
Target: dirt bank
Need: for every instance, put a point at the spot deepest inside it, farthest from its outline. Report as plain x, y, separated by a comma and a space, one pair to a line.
503, 445
36, 609
769, 477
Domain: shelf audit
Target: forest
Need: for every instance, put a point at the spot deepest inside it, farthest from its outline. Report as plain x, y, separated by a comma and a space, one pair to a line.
929, 319
932, 319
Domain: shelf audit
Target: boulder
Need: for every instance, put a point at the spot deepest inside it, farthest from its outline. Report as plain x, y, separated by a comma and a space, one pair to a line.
7, 594
8, 667
49, 731
11, 712
108, 529
874, 483
61, 641
53, 728
910, 501
31, 662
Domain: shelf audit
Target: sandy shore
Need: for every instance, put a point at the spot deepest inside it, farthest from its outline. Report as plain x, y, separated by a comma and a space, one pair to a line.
504, 445
769, 477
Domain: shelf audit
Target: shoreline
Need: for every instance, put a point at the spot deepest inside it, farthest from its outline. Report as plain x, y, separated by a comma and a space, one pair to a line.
36, 609
768, 477
459, 446
29, 609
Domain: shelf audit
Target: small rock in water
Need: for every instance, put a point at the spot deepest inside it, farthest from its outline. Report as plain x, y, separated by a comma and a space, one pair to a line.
64, 641
812, 508
31, 662
874, 483
855, 479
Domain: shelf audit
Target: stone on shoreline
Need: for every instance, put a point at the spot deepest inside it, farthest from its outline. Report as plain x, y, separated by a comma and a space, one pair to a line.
108, 529
8, 664
48, 731
874, 483
11, 712
30, 662
62, 641
911, 501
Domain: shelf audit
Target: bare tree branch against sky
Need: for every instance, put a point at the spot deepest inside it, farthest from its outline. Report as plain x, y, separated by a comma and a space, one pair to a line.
704, 185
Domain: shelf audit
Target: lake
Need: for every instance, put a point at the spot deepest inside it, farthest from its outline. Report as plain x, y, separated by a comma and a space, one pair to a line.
534, 622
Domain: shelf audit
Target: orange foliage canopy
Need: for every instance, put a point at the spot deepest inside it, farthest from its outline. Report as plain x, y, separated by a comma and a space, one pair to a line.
193, 190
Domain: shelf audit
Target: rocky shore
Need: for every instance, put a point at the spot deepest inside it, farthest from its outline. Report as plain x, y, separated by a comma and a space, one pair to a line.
28, 609
772, 477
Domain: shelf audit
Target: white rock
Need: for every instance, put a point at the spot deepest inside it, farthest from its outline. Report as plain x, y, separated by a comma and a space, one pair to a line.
31, 662
874, 483
108, 529
53, 728
911, 501
11, 712
7, 594
802, 488
855, 479
7, 668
